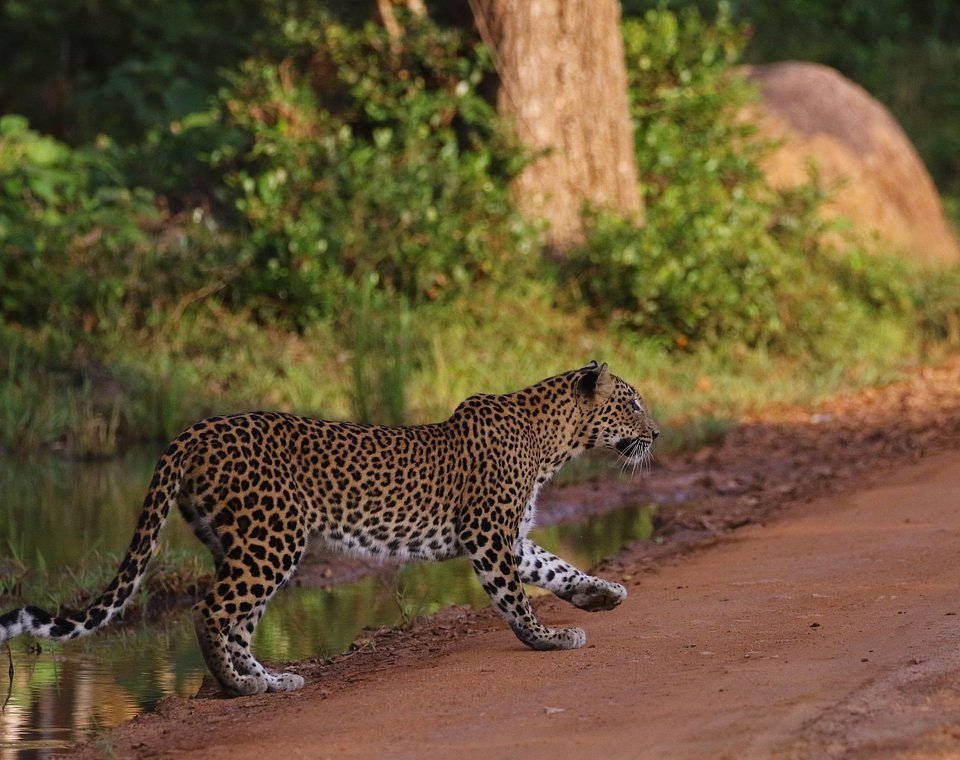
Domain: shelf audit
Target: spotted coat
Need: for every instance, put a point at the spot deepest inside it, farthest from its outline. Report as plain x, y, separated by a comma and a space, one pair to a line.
255, 487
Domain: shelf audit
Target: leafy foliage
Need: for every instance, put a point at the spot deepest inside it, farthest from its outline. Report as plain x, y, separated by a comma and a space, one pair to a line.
724, 258
78, 69
371, 163
706, 266
78, 245
63, 226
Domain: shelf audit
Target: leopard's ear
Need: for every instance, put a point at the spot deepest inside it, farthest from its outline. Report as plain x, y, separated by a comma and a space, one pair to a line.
596, 381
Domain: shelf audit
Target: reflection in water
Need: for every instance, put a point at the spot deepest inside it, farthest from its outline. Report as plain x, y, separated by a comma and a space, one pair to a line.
58, 514
66, 693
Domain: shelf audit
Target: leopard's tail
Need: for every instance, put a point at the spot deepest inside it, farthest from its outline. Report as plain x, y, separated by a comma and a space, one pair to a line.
163, 492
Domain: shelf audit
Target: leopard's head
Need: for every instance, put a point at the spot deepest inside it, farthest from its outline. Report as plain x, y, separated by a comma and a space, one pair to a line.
615, 416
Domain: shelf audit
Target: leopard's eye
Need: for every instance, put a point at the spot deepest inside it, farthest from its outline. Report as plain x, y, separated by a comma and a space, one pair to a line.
636, 406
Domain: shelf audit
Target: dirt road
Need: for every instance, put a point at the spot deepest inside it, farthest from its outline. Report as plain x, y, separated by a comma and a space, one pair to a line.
832, 630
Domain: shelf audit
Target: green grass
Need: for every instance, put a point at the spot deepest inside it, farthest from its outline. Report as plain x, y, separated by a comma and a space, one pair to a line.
397, 365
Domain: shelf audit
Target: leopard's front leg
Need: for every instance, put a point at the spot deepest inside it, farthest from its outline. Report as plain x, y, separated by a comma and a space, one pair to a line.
540, 568
495, 565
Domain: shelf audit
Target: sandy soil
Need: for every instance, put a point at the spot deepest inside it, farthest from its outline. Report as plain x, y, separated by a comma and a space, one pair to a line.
802, 603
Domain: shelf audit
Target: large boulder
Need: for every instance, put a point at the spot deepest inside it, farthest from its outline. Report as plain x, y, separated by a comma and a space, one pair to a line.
885, 191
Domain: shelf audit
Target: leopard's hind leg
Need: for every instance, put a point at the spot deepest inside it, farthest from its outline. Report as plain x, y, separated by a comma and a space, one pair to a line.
243, 660
251, 564
225, 621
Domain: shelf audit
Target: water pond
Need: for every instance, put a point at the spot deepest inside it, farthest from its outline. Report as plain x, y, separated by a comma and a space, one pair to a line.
65, 520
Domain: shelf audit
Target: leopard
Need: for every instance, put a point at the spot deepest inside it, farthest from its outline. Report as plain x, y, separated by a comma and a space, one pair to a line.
256, 487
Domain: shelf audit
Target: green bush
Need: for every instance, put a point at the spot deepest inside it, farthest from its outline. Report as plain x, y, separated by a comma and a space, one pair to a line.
79, 69
64, 227
371, 163
79, 247
708, 263
723, 256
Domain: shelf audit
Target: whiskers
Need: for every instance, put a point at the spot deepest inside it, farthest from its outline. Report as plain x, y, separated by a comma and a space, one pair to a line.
633, 457
637, 457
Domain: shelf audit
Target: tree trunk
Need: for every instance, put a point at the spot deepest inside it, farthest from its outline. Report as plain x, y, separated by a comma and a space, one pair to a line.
389, 20
563, 82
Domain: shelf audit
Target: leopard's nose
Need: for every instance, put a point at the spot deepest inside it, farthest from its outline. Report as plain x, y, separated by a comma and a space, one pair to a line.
656, 434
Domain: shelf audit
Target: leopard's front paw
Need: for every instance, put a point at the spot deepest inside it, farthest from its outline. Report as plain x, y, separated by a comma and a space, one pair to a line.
598, 595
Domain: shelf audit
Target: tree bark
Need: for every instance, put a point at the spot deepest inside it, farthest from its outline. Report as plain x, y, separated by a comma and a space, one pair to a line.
563, 82
389, 20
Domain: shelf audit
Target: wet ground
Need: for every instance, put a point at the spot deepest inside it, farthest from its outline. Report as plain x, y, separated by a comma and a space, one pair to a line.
802, 603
